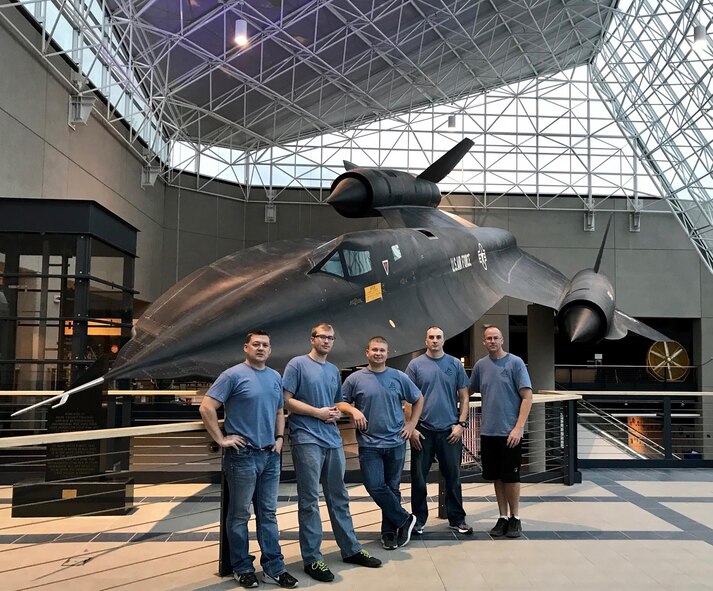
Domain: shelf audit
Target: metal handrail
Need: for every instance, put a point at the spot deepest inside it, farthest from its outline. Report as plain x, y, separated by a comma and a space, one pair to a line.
628, 429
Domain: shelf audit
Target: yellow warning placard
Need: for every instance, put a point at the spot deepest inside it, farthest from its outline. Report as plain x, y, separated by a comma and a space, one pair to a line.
372, 292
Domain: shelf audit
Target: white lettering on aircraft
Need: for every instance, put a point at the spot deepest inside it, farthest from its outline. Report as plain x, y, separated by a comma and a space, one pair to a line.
460, 262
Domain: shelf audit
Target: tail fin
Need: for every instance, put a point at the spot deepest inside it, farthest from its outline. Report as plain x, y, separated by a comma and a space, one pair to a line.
601, 248
441, 167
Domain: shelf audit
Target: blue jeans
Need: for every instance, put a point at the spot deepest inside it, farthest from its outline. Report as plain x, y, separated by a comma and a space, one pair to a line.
381, 471
315, 464
435, 445
253, 475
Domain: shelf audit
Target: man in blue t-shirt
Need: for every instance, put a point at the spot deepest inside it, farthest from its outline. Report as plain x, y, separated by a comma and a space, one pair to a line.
312, 388
444, 385
254, 425
377, 393
506, 393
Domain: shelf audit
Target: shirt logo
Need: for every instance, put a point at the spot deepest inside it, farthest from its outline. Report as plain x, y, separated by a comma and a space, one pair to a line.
393, 387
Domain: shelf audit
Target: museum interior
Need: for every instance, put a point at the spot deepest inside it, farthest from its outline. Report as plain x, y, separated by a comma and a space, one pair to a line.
166, 168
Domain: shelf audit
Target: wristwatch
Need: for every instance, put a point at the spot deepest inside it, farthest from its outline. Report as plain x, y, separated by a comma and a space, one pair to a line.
465, 424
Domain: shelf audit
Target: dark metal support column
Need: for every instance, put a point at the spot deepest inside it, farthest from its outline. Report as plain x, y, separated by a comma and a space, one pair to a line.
667, 428
570, 473
224, 566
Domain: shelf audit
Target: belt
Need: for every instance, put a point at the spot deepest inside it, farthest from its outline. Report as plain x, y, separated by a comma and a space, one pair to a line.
266, 448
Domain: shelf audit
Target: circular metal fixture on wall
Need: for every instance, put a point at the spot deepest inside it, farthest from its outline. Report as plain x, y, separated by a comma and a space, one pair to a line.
667, 361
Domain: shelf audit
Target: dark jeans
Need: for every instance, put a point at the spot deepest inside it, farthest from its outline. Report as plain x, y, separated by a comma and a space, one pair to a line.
435, 445
381, 471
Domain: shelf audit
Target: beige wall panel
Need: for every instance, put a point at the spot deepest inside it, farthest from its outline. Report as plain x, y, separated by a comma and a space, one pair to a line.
56, 131
55, 174
21, 157
167, 270
93, 148
706, 292
23, 85
198, 214
231, 217
664, 283
194, 252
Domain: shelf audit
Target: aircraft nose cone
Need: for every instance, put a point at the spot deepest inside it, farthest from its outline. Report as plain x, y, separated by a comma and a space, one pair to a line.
349, 197
581, 324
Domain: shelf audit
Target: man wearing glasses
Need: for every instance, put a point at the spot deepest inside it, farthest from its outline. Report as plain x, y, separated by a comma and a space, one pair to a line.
312, 388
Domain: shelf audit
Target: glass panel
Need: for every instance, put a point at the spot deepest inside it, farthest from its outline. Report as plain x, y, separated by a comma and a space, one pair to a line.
107, 263
358, 262
333, 265
105, 301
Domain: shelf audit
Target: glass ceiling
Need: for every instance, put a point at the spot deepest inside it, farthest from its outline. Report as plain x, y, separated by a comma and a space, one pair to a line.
637, 122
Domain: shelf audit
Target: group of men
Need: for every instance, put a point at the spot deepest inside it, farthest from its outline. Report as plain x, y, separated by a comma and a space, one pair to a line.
428, 406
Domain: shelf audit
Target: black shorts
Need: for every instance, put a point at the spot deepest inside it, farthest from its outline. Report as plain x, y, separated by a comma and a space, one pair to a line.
500, 462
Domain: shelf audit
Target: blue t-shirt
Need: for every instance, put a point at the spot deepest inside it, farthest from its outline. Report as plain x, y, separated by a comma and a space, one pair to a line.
319, 385
439, 381
251, 398
499, 382
380, 396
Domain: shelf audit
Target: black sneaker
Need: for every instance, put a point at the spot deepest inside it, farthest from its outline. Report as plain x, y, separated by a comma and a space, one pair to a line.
246, 580
363, 558
285, 580
500, 528
388, 541
403, 535
319, 571
462, 528
418, 528
514, 528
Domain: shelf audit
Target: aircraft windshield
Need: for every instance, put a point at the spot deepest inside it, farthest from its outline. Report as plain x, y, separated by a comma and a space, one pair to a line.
346, 262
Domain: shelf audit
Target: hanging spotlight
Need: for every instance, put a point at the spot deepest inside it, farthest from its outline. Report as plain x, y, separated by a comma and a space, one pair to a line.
699, 37
241, 32
451, 121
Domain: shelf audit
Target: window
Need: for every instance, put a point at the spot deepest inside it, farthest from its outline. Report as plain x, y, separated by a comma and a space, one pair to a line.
333, 265
358, 262
345, 262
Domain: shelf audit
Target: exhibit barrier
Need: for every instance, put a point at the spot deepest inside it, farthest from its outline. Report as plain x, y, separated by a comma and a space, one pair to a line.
644, 429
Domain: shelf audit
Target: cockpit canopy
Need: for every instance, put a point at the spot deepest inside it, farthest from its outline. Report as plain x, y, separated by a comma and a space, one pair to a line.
344, 260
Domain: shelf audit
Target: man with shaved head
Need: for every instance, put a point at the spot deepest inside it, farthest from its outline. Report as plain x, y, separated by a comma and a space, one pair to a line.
444, 385
506, 393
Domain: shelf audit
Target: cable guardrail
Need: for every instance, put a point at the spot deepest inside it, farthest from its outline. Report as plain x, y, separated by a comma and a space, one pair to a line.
183, 518
609, 426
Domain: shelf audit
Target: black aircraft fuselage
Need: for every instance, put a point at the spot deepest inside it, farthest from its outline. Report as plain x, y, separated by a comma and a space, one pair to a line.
429, 268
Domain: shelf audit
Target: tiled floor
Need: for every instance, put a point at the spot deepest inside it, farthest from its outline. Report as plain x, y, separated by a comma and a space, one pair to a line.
644, 529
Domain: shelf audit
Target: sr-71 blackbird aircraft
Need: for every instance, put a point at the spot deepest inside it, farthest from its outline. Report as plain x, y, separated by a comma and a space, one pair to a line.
429, 268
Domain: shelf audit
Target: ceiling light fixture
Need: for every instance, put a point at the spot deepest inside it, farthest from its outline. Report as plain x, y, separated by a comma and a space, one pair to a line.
700, 40
241, 32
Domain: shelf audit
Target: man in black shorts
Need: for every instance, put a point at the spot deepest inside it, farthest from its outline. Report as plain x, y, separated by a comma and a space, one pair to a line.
506, 393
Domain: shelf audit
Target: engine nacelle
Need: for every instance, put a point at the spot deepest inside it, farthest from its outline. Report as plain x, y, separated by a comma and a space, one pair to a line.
586, 312
361, 192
